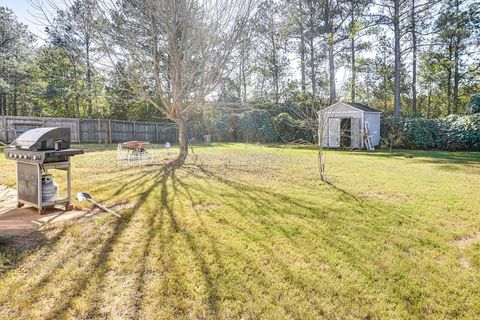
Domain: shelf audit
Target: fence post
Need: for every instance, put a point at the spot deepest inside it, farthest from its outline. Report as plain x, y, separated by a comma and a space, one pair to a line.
109, 130
79, 132
98, 131
5, 124
156, 132
134, 129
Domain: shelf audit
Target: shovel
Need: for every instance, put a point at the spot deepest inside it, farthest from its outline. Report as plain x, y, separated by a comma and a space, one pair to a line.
83, 196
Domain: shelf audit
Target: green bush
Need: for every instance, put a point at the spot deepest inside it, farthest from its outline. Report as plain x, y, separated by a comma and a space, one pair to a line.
257, 126
289, 129
474, 105
453, 133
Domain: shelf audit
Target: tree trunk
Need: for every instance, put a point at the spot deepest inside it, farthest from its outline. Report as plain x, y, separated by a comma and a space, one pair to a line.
302, 59
449, 80
1, 104
456, 81
302, 51
243, 76
276, 76
4, 103
385, 85
89, 79
456, 75
75, 90
182, 139
313, 75
14, 102
354, 71
331, 70
429, 101
414, 61
331, 60
66, 105
396, 25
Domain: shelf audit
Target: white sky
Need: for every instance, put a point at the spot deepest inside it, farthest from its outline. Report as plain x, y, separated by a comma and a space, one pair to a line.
24, 12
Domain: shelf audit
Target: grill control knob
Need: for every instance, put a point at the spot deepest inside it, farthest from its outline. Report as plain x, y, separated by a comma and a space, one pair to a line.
35, 157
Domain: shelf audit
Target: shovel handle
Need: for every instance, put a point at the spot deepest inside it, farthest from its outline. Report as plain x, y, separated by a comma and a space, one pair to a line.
105, 208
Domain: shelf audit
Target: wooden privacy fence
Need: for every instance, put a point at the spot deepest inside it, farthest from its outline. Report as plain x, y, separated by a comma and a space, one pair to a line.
91, 130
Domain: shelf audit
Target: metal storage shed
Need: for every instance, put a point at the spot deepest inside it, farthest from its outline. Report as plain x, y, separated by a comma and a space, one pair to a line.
349, 125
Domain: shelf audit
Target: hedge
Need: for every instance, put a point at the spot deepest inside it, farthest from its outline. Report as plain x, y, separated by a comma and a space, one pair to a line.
454, 133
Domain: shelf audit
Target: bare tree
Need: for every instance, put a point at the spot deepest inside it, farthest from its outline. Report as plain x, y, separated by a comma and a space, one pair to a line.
179, 50
184, 50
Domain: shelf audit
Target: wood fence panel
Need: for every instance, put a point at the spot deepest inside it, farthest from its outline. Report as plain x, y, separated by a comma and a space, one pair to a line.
63, 122
91, 130
167, 133
145, 131
122, 131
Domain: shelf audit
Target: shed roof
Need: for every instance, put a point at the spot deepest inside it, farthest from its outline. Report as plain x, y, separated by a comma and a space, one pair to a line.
361, 107
358, 106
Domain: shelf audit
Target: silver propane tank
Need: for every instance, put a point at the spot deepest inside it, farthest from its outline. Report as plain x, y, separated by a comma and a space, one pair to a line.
49, 188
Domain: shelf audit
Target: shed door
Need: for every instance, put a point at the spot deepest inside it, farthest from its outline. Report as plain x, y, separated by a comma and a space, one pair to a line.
334, 132
356, 133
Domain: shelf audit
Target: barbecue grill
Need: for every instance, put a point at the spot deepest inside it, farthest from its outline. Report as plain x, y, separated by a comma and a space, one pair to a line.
36, 151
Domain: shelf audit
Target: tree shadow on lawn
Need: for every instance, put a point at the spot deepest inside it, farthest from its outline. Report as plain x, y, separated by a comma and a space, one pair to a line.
152, 179
16, 247
153, 224
271, 205
310, 215
96, 265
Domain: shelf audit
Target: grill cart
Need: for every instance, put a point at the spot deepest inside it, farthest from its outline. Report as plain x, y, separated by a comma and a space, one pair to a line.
36, 151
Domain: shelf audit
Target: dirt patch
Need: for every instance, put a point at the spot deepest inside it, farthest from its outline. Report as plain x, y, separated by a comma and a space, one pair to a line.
205, 206
463, 243
384, 196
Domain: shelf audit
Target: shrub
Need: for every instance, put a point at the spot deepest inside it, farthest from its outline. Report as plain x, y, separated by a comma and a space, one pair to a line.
453, 133
474, 105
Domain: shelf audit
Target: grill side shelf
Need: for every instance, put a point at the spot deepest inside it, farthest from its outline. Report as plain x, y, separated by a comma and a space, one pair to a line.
66, 152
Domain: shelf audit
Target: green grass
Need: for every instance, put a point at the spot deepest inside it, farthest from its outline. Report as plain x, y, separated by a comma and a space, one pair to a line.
246, 231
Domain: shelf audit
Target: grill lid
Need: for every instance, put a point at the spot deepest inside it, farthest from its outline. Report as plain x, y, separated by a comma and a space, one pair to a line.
38, 139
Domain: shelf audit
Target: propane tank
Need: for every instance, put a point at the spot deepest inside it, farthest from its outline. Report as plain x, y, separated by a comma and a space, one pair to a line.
49, 188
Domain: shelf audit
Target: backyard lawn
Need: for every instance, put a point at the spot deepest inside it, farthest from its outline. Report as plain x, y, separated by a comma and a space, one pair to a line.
245, 231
